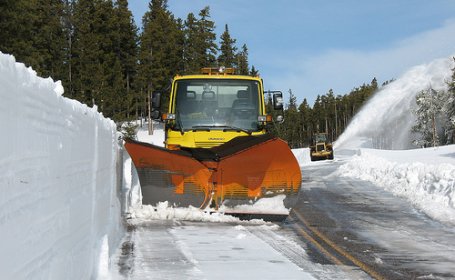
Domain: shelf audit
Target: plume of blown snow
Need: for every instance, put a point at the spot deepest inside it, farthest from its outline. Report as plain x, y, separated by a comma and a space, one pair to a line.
386, 120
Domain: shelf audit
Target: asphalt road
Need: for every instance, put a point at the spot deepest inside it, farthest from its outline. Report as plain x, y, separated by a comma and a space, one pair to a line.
340, 229
356, 223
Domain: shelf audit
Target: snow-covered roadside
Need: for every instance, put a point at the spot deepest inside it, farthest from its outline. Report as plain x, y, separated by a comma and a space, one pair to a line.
302, 155
426, 177
59, 200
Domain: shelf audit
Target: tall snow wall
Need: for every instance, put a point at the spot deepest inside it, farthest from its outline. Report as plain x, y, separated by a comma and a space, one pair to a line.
59, 185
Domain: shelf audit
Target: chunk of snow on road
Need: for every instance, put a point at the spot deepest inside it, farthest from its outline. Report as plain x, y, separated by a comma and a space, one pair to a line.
240, 227
162, 211
240, 236
265, 205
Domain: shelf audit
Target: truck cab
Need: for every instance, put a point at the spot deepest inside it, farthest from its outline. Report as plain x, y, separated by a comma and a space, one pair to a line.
209, 109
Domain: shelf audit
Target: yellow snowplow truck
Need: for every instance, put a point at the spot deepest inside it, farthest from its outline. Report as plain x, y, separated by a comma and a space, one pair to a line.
321, 149
217, 149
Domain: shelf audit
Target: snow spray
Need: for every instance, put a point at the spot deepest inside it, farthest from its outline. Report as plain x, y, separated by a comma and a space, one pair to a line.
386, 120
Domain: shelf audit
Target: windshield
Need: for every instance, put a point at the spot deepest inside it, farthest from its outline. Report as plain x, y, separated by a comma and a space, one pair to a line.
320, 138
217, 104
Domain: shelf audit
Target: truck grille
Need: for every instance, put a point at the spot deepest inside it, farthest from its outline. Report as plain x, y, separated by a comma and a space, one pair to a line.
207, 144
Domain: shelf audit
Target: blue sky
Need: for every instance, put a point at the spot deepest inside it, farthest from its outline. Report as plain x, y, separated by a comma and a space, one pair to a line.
311, 46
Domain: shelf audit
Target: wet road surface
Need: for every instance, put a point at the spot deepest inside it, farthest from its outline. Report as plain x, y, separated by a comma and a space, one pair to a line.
384, 233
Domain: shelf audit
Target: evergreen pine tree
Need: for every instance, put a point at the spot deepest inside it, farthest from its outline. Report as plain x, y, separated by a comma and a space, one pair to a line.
8, 21
97, 70
449, 108
429, 104
292, 122
254, 71
49, 39
16, 25
208, 36
86, 52
317, 116
200, 48
68, 30
127, 48
192, 56
159, 57
33, 32
242, 61
227, 49
306, 127
111, 94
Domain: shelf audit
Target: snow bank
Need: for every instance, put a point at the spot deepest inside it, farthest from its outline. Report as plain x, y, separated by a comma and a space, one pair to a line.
426, 177
302, 155
157, 138
59, 210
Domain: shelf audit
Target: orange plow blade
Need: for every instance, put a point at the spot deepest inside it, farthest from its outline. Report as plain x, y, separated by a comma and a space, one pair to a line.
238, 172
167, 175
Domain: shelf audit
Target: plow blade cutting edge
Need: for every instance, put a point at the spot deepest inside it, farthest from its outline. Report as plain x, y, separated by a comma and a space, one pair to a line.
236, 173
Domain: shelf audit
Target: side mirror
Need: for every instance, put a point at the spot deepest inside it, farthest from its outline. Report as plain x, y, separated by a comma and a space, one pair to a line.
156, 100
278, 100
155, 113
278, 105
280, 119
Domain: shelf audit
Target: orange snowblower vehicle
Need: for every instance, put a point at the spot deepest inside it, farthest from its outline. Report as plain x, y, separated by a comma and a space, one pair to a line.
217, 150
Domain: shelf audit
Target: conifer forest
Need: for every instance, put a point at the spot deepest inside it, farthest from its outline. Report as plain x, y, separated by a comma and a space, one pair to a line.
104, 58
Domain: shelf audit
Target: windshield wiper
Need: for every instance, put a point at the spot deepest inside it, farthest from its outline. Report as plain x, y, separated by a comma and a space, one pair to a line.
202, 127
223, 127
235, 128
179, 123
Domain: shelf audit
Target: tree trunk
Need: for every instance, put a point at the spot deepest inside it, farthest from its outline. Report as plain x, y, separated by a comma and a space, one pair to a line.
149, 118
434, 129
